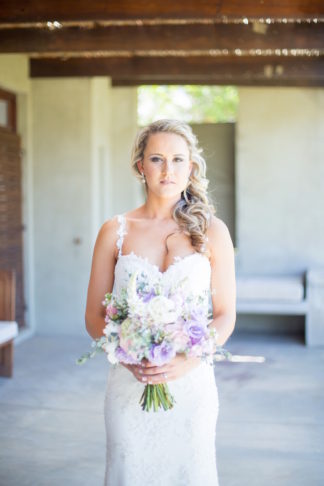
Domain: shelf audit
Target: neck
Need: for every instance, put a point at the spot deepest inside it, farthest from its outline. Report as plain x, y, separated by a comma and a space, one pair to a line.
160, 208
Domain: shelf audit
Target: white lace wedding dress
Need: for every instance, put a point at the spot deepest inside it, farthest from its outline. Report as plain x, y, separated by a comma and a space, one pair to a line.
164, 448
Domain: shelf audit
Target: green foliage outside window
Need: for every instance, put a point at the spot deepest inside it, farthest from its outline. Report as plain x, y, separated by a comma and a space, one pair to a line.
189, 103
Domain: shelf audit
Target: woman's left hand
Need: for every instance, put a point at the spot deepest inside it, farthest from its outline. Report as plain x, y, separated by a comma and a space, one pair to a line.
177, 367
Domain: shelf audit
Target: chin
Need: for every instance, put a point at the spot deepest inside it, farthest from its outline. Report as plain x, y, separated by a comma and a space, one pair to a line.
168, 192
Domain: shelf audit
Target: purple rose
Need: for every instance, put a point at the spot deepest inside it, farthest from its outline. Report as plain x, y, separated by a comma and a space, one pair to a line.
196, 331
161, 353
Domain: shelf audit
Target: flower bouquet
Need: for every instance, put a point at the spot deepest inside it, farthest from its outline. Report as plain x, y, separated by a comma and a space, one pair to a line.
146, 321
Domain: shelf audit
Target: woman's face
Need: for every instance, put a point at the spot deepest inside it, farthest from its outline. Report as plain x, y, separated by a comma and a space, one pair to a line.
166, 164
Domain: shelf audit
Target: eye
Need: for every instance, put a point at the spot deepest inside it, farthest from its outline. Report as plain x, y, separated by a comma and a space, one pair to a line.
155, 159
179, 159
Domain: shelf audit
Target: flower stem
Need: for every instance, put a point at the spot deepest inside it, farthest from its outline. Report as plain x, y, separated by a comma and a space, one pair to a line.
156, 396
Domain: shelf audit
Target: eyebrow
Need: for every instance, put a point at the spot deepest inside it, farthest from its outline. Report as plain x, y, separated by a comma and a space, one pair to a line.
183, 155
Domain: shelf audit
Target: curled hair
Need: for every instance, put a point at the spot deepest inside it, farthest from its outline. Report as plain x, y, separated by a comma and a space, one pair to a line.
193, 210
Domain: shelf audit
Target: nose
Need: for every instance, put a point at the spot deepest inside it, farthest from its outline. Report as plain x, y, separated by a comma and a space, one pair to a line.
167, 166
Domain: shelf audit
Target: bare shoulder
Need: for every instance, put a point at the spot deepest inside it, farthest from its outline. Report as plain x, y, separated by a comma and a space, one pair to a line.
219, 238
107, 235
109, 227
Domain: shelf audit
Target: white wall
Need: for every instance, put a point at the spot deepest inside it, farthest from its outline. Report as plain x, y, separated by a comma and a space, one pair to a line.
124, 127
71, 146
62, 193
280, 180
83, 131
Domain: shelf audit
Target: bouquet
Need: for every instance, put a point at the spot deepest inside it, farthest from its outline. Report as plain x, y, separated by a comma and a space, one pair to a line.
146, 321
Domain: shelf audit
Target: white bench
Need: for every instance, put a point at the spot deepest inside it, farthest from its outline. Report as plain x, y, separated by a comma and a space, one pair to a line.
286, 295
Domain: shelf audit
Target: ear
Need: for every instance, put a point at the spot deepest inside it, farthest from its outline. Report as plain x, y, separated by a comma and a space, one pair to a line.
139, 165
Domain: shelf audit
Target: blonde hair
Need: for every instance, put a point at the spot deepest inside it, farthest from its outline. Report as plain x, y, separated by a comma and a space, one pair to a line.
193, 210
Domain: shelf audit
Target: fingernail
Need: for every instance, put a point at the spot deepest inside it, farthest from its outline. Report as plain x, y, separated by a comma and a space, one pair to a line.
143, 378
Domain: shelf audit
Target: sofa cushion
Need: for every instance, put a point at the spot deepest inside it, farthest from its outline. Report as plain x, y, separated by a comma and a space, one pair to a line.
270, 288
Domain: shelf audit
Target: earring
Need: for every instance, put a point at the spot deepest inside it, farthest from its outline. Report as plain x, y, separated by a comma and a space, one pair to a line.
142, 177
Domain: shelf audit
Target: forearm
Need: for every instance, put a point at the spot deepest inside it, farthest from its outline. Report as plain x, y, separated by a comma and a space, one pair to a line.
95, 326
224, 325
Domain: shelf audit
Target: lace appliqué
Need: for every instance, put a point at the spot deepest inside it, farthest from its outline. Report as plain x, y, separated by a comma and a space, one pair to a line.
121, 232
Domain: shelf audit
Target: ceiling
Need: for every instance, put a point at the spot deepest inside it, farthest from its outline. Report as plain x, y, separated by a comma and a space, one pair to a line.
250, 43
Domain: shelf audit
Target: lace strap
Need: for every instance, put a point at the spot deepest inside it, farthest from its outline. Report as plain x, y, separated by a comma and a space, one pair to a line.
121, 232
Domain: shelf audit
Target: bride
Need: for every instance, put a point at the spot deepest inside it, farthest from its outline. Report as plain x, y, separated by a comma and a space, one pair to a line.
173, 234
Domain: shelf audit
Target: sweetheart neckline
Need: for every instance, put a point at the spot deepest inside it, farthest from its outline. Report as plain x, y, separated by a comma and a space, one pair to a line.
172, 265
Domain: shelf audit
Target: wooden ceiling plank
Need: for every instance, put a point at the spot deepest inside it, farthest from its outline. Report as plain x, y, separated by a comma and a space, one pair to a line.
66, 10
166, 37
246, 68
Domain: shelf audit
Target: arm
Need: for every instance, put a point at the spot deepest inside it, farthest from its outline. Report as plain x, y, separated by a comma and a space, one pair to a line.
223, 285
101, 277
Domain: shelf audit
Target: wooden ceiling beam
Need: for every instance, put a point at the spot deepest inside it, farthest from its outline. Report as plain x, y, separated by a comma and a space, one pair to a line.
12, 11
217, 81
163, 37
281, 70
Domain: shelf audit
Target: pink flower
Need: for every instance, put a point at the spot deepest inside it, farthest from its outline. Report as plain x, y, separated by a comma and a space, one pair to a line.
111, 310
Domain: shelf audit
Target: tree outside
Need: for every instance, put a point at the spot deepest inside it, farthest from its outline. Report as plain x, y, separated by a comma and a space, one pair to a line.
189, 103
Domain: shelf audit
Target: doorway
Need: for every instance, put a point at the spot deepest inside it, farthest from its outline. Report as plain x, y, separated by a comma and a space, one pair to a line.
11, 227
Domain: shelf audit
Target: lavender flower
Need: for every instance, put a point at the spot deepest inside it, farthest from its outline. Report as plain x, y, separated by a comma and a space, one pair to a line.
122, 356
196, 331
162, 353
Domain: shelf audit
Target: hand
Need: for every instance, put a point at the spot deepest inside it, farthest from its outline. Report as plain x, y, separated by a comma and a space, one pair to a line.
149, 373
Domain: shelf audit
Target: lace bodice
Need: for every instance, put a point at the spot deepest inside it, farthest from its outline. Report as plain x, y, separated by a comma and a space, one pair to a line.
195, 267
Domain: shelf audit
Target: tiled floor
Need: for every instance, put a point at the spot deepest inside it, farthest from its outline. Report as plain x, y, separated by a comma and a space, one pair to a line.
270, 428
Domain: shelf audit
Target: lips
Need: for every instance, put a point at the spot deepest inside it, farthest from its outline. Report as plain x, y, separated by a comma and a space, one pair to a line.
167, 182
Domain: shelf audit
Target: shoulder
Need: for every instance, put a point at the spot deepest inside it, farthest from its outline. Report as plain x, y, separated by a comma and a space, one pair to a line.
108, 234
219, 238
109, 226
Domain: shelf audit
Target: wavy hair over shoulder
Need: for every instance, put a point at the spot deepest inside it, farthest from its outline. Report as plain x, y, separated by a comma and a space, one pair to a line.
193, 210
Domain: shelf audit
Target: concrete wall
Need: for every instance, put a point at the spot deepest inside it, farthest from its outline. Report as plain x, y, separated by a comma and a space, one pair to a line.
124, 127
280, 180
83, 133
62, 194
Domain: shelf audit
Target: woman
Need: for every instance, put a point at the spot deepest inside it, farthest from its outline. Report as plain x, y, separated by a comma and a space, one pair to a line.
174, 234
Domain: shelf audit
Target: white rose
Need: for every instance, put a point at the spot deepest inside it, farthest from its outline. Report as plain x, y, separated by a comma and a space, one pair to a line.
162, 309
110, 347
